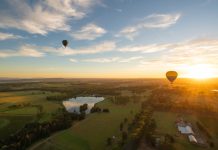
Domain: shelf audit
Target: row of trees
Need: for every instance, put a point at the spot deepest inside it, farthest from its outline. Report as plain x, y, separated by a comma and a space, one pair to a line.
57, 97
121, 100
124, 135
83, 108
98, 109
35, 131
143, 125
203, 129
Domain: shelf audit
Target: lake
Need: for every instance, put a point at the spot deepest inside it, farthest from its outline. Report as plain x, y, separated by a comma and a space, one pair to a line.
73, 104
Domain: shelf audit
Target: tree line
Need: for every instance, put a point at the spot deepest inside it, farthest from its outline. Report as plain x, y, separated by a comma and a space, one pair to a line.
36, 131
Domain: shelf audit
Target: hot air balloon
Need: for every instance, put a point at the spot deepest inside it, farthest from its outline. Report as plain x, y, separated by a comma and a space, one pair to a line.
171, 76
65, 43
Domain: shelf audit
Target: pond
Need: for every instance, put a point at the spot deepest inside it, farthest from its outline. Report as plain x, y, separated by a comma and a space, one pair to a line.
73, 104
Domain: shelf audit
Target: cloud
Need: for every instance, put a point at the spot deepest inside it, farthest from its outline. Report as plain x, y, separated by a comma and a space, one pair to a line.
25, 51
177, 55
89, 32
153, 21
73, 60
113, 59
190, 48
7, 36
151, 48
194, 51
125, 60
160, 20
102, 60
33, 50
119, 10
93, 49
43, 16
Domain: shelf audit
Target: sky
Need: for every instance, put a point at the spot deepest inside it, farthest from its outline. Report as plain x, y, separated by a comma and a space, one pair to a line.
108, 38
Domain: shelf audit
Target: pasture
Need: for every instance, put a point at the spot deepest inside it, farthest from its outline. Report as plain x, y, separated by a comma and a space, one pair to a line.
92, 133
19, 108
10, 124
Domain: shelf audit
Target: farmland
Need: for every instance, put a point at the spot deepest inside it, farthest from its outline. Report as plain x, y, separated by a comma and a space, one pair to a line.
93, 132
126, 100
19, 108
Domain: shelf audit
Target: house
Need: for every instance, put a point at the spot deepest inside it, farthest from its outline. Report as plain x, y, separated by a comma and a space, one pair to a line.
185, 130
192, 139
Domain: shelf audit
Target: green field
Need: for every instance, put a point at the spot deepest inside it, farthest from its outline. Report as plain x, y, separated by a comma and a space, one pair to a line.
4, 122
92, 132
14, 118
31, 97
22, 111
19, 108
10, 124
211, 124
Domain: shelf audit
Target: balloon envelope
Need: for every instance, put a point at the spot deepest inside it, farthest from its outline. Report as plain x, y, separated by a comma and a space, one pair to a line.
171, 76
65, 43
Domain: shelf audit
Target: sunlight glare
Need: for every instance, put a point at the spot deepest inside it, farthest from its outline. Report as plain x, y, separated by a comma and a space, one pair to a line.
201, 71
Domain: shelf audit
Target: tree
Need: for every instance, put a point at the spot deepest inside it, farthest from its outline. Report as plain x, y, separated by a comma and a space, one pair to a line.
106, 110
109, 141
130, 126
125, 120
152, 125
124, 136
121, 126
121, 100
211, 144
95, 109
82, 115
83, 108
166, 146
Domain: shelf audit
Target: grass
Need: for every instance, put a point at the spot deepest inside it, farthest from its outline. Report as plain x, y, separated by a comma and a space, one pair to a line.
211, 124
4, 122
10, 124
62, 142
22, 111
12, 119
165, 122
31, 97
92, 133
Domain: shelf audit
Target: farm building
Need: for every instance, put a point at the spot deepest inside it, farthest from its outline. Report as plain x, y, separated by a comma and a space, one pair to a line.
192, 139
185, 129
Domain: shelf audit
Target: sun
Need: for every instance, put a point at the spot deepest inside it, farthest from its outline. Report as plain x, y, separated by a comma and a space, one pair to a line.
201, 71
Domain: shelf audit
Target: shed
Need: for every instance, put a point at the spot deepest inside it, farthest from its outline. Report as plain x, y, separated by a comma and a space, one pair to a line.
185, 130
192, 139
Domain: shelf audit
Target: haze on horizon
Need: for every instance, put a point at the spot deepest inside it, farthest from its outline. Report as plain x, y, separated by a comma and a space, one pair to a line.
108, 39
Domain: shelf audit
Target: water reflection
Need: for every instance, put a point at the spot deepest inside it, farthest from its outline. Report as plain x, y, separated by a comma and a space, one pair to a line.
73, 104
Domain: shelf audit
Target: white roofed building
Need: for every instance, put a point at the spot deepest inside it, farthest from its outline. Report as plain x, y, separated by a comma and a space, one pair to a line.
192, 139
185, 130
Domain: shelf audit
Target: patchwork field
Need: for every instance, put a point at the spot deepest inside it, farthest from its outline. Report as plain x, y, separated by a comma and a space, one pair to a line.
92, 133
10, 124
19, 108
